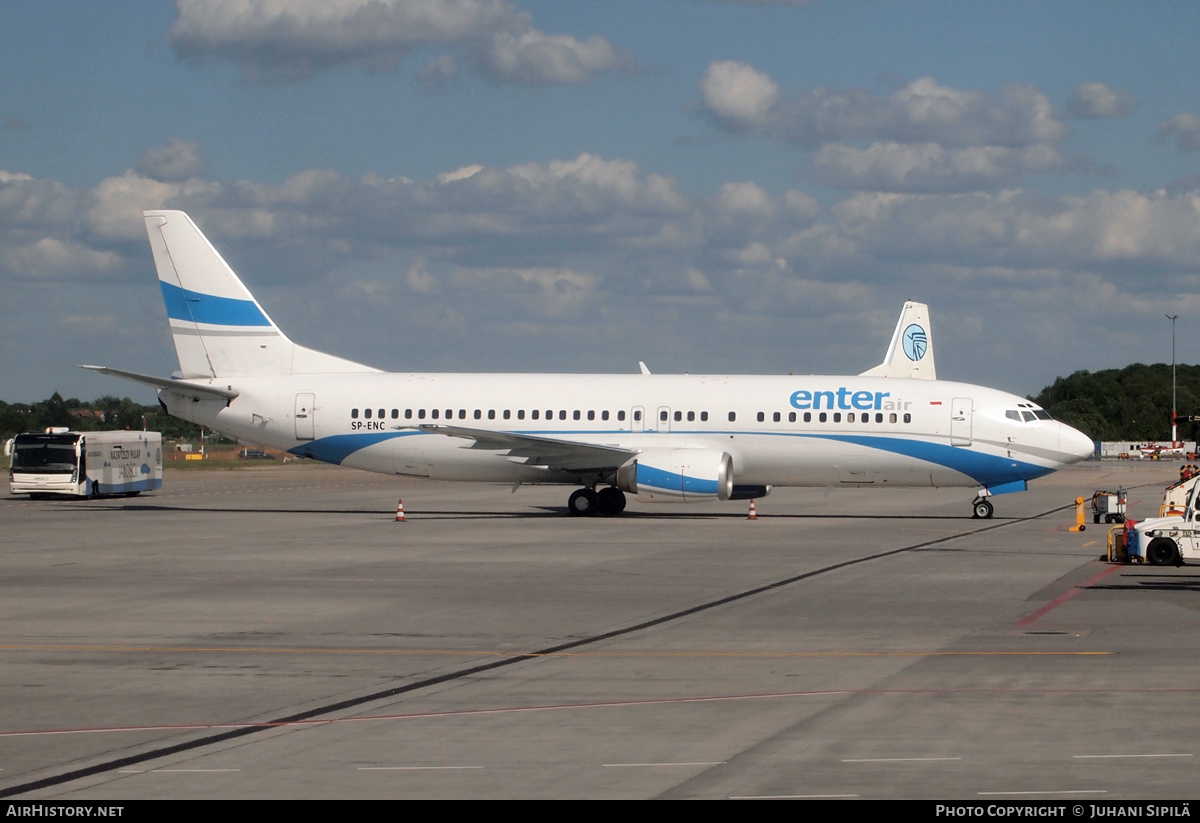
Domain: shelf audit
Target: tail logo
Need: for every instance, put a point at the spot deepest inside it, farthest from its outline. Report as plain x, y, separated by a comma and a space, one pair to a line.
916, 342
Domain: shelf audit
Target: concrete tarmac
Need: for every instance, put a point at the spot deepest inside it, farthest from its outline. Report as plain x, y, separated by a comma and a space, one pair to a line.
274, 633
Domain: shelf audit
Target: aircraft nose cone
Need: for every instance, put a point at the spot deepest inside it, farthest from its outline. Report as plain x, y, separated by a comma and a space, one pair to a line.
1074, 444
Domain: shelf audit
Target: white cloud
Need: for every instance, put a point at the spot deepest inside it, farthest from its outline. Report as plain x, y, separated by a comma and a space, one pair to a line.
1185, 128
1098, 101
117, 203
738, 97
535, 58
291, 39
537, 257
738, 94
50, 259
928, 167
175, 161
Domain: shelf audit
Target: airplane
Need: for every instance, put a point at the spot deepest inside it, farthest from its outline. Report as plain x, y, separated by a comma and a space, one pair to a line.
662, 437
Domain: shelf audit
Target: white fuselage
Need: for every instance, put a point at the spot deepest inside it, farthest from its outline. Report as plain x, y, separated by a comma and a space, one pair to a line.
778, 430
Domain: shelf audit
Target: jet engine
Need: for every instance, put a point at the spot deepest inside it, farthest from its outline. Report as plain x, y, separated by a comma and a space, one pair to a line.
678, 476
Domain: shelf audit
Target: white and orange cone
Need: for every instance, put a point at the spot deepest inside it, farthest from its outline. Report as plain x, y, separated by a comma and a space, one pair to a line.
753, 512
400, 511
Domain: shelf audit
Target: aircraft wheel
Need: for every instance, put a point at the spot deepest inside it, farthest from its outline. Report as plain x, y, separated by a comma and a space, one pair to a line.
583, 502
1162, 552
983, 510
611, 501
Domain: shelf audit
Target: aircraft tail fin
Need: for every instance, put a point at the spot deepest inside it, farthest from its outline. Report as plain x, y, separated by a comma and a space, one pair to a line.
911, 351
220, 330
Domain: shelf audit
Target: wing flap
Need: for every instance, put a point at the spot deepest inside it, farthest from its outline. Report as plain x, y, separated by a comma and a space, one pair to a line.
562, 455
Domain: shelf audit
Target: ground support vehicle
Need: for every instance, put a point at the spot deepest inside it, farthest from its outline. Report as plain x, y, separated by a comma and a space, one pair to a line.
85, 464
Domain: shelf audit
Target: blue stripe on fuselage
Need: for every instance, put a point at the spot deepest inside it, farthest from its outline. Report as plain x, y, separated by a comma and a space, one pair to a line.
986, 469
337, 448
196, 307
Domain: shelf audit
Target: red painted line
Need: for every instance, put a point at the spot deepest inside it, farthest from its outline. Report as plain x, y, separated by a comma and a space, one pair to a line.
1065, 596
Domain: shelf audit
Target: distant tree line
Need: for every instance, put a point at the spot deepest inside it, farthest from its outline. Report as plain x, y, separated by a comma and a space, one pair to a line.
105, 414
1133, 403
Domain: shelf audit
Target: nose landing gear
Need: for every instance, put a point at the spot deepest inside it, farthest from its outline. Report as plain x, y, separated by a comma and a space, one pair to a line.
981, 509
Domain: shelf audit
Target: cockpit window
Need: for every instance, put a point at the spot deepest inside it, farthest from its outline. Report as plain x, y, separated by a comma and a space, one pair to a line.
1029, 418
1042, 414
1013, 414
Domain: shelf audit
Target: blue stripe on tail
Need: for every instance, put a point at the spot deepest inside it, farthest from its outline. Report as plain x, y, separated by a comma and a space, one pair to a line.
194, 307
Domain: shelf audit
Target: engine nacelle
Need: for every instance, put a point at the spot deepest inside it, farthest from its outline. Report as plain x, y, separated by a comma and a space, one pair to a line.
678, 476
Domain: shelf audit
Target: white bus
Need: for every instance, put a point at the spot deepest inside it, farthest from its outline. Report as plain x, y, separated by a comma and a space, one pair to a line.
85, 464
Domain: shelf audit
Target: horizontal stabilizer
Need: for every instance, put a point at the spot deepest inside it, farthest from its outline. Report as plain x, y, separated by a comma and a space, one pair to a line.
184, 387
911, 351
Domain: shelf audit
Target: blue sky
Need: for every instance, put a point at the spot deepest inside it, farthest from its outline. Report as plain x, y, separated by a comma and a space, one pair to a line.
450, 185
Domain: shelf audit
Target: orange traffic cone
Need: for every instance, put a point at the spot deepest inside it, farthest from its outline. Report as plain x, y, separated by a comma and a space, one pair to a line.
399, 511
753, 512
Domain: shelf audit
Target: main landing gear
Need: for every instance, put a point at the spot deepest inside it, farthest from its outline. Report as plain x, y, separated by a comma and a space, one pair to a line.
586, 502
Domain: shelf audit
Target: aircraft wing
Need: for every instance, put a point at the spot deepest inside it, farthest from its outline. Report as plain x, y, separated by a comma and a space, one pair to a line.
199, 391
563, 455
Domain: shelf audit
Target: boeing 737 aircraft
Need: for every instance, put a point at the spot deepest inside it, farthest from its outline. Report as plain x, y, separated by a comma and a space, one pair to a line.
674, 438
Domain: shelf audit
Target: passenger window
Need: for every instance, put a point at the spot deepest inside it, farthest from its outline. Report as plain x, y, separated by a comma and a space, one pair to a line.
354, 414
732, 416
604, 414
703, 417
533, 415
761, 417
421, 414
382, 413
621, 415
591, 414
478, 414
395, 414
791, 417
637, 416
823, 417
408, 414
462, 414
449, 414
434, 414
575, 414
808, 417
837, 417
691, 417
878, 417
892, 417
776, 417
678, 417
492, 414
549, 414
907, 418
662, 415
850, 417
520, 414
367, 414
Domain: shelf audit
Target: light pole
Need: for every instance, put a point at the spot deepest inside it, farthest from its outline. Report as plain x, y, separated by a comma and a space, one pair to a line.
1173, 318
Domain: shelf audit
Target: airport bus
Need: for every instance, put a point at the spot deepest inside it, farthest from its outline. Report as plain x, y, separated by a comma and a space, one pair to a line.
85, 464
